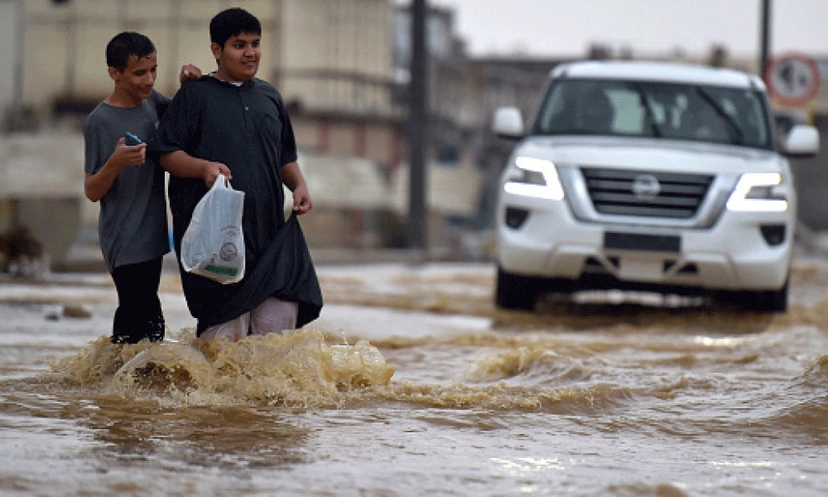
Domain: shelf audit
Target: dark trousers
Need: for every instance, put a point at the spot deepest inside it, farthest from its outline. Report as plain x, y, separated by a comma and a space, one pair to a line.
139, 314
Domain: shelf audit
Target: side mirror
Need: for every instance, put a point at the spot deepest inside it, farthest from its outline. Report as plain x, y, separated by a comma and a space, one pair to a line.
802, 140
508, 123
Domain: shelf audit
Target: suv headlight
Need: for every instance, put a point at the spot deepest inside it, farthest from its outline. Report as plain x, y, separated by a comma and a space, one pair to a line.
536, 178
758, 192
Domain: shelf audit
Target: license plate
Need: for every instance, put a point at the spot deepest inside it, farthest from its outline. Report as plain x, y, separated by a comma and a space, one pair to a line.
642, 242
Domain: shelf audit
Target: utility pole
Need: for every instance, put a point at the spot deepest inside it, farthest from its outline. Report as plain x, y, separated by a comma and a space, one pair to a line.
418, 128
765, 51
19, 68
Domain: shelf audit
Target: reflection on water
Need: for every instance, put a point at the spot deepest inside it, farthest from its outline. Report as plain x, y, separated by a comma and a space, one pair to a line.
412, 383
199, 436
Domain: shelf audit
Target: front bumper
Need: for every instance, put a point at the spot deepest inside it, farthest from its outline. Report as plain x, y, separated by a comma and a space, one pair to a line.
732, 254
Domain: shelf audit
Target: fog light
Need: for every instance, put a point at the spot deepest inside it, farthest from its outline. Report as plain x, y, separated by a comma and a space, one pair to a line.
774, 234
516, 217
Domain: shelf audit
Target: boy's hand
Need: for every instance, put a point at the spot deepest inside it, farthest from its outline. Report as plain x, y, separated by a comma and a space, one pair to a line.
212, 170
124, 155
188, 72
301, 199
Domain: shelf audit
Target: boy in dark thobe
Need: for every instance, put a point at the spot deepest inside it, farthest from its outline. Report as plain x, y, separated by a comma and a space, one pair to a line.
234, 124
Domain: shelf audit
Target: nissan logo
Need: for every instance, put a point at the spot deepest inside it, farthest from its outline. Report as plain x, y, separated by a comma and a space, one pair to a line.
645, 187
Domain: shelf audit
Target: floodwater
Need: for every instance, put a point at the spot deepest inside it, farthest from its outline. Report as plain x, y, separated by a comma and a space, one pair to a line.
410, 383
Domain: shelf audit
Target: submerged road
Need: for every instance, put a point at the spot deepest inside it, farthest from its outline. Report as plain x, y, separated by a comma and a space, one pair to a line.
411, 383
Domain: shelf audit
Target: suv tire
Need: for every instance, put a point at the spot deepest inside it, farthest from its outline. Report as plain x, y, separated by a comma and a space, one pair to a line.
515, 291
765, 301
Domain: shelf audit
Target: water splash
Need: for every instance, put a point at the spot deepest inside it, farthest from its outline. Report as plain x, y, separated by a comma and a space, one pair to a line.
510, 363
816, 372
297, 368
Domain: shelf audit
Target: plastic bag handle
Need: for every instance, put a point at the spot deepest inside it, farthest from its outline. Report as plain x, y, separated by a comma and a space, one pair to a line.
225, 183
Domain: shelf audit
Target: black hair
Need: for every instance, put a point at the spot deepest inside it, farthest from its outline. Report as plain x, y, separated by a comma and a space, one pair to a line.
232, 22
125, 44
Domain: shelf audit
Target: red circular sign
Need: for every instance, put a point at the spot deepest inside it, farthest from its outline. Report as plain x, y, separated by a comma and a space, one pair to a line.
792, 79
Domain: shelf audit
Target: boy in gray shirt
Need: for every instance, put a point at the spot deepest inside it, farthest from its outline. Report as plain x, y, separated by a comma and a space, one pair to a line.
129, 184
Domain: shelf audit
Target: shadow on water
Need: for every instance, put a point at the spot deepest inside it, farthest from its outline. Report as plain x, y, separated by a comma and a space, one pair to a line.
601, 311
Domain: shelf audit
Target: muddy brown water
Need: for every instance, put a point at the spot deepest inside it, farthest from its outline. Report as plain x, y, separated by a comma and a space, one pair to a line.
411, 383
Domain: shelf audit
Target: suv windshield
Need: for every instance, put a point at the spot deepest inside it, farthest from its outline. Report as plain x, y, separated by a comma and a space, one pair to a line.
659, 110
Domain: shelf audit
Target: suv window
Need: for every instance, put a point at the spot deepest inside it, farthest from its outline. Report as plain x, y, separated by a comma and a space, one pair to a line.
658, 110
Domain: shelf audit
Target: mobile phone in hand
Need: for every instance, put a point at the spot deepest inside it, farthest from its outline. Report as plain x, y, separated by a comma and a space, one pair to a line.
131, 140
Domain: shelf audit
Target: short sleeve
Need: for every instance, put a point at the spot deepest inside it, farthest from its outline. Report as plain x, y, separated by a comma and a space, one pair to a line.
92, 147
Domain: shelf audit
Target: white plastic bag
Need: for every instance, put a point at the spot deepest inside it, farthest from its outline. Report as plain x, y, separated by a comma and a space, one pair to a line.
213, 245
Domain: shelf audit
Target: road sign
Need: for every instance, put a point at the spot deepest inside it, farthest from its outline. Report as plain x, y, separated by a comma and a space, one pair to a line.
792, 79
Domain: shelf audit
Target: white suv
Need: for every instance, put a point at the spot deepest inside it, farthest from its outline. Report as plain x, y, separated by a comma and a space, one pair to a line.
648, 176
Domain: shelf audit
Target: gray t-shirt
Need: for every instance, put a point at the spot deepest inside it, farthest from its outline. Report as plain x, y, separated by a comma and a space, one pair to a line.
132, 226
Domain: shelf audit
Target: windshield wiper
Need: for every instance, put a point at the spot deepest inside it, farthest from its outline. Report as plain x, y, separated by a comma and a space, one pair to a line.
645, 102
736, 131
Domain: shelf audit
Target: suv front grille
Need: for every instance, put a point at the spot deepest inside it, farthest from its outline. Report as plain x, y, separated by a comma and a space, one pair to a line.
646, 193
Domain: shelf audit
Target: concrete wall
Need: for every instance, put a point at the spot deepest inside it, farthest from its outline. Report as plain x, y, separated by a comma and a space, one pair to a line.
378, 141
41, 187
336, 55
